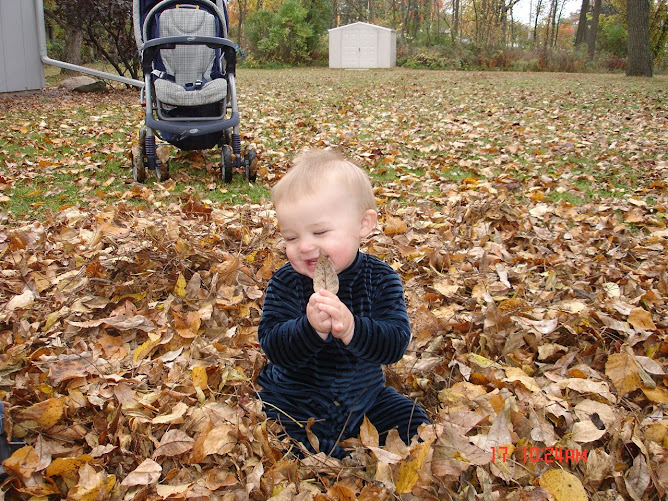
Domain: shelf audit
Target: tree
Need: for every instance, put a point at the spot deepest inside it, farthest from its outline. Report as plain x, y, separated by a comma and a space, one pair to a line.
639, 54
593, 30
105, 25
658, 29
581, 33
73, 43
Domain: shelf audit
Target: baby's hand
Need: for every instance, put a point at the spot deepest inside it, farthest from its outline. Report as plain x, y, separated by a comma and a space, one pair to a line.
342, 323
319, 320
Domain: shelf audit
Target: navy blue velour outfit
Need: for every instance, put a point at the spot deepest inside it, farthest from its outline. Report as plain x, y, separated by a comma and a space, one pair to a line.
335, 384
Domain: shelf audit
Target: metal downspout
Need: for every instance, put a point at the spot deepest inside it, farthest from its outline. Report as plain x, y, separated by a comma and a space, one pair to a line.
41, 34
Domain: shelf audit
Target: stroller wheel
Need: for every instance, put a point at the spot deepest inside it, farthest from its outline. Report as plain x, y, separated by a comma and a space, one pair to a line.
226, 164
251, 165
162, 171
138, 170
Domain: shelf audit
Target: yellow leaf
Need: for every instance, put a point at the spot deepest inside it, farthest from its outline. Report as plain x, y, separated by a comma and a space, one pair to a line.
59, 466
513, 305
199, 377
180, 287
657, 395
563, 486
481, 361
46, 414
145, 349
409, 468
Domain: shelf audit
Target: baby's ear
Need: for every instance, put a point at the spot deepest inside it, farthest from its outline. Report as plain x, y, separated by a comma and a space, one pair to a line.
369, 219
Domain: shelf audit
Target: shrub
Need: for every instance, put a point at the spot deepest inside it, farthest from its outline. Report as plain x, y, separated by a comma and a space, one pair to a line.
291, 35
612, 37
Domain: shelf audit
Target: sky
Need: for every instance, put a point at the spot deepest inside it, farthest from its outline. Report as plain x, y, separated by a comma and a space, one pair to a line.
522, 9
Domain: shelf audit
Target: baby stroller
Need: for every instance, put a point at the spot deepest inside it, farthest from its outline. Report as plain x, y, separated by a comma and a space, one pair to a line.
189, 92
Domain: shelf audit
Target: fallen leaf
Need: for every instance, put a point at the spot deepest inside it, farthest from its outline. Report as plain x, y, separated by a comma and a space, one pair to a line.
173, 443
622, 370
23, 462
22, 301
46, 414
409, 468
641, 319
563, 486
147, 473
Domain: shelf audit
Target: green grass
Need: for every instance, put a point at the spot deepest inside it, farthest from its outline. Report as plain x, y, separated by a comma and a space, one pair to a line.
414, 131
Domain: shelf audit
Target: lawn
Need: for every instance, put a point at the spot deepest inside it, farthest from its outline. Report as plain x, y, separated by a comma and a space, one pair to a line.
525, 213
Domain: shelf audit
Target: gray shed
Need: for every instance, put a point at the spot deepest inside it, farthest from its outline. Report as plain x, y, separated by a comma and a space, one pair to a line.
21, 68
362, 45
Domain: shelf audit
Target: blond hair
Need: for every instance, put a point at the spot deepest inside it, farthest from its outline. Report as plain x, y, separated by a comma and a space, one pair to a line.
313, 169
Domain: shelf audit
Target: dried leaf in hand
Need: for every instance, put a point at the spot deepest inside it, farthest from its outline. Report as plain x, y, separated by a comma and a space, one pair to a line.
324, 276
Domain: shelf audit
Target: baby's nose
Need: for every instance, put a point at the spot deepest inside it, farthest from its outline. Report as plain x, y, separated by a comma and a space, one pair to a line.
306, 245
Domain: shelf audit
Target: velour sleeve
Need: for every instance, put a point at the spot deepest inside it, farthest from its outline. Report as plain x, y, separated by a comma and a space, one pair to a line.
383, 336
284, 333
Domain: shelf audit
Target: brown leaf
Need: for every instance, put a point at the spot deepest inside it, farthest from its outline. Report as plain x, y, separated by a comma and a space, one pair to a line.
324, 276
91, 482
147, 473
622, 370
119, 322
24, 462
173, 443
368, 434
641, 319
395, 226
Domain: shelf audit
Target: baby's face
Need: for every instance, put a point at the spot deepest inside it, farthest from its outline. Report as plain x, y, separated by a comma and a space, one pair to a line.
327, 222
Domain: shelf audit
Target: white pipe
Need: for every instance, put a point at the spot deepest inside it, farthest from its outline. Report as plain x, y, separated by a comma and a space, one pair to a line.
41, 35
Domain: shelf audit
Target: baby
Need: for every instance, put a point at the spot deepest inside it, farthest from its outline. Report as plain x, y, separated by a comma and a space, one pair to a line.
326, 350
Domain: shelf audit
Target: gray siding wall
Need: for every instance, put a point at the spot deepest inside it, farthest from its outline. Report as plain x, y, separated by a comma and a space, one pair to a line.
20, 65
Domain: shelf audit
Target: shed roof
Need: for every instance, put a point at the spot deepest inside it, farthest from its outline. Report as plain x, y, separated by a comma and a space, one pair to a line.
363, 24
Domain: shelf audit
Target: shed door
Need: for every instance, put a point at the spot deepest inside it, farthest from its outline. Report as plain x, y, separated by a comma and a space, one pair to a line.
359, 47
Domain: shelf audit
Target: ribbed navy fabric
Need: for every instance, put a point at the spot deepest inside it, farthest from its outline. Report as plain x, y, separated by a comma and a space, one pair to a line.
325, 379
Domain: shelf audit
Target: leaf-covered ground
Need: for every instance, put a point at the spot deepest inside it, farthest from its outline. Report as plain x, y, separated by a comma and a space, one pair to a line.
525, 213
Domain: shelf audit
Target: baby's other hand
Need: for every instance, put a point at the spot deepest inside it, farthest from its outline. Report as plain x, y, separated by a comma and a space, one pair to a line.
319, 320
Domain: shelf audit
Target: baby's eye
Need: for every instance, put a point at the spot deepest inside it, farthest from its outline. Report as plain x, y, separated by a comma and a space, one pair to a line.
290, 239
320, 233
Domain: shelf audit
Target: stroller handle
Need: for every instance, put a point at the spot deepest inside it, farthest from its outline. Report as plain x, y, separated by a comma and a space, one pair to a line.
211, 42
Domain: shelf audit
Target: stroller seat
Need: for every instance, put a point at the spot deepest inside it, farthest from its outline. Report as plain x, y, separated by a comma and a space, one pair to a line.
191, 77
189, 94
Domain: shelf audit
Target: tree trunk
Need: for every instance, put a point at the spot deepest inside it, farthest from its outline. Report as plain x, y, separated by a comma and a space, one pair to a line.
455, 20
593, 30
242, 6
639, 53
581, 34
539, 8
73, 40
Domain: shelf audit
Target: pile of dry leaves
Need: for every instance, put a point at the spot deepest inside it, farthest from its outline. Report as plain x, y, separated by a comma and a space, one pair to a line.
129, 353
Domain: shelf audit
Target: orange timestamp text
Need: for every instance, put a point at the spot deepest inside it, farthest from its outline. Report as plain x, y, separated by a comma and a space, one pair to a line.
541, 454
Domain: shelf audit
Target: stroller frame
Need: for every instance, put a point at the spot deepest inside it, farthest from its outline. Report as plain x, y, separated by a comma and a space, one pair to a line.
183, 126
